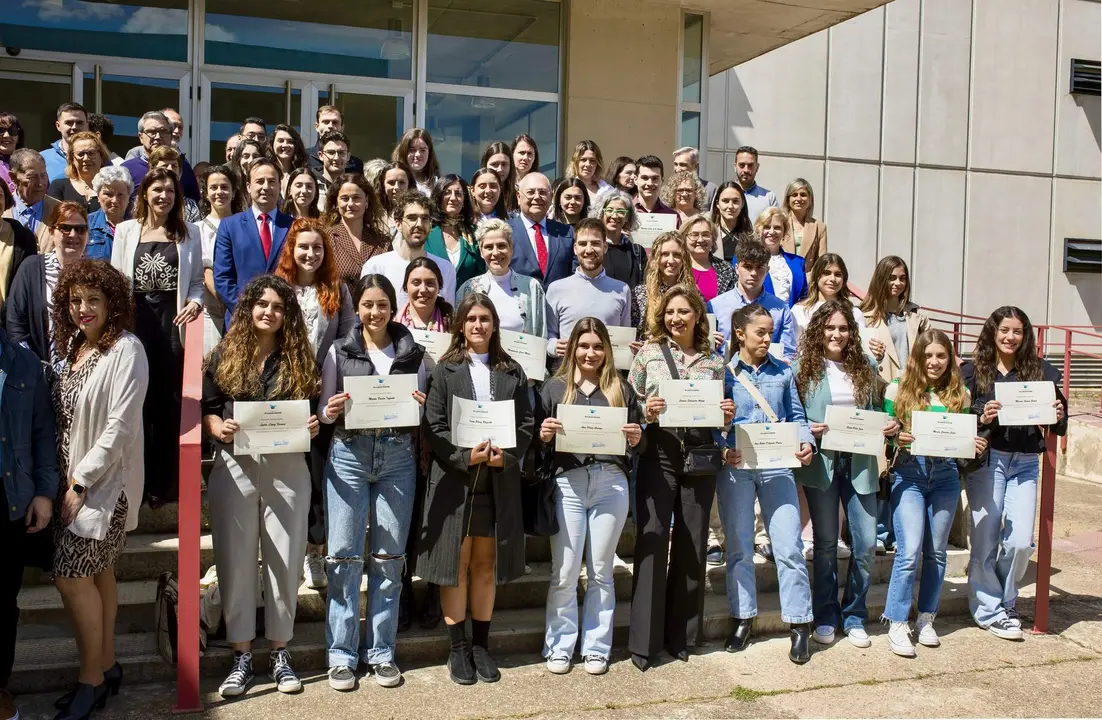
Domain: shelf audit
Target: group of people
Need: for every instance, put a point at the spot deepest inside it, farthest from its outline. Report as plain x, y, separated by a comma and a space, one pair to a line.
312, 267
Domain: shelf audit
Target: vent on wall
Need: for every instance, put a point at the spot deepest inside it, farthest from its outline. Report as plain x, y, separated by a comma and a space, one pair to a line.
1086, 77
1082, 256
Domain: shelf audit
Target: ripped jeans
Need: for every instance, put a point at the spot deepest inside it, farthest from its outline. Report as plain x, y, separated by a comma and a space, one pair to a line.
370, 484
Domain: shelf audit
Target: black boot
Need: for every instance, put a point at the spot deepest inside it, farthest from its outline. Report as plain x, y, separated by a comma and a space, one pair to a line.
112, 678
800, 653
739, 638
640, 662
484, 665
430, 614
460, 665
86, 698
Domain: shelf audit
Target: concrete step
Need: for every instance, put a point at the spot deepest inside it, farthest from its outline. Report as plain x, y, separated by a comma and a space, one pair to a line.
166, 519
48, 664
145, 557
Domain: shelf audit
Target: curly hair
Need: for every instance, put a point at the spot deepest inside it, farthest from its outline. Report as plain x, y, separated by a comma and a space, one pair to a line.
236, 373
465, 222
326, 279
668, 194
657, 324
811, 357
100, 275
915, 387
985, 357
373, 212
653, 279
606, 198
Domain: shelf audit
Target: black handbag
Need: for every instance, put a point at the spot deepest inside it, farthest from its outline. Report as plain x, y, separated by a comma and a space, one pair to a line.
968, 466
537, 496
704, 459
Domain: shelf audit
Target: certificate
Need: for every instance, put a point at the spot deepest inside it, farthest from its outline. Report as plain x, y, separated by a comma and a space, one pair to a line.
591, 430
271, 427
528, 350
435, 343
768, 446
474, 421
381, 401
622, 338
651, 225
1026, 403
854, 430
948, 435
691, 403
712, 327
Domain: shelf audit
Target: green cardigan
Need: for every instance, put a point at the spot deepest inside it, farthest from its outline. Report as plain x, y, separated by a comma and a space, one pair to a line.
819, 473
470, 261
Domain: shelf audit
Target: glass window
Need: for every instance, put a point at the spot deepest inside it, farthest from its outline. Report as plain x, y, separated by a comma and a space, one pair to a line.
462, 126
373, 123
692, 58
154, 30
510, 44
690, 129
32, 93
230, 104
125, 99
372, 39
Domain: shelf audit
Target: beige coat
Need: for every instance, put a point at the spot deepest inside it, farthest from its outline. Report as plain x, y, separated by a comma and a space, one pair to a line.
45, 244
892, 365
812, 245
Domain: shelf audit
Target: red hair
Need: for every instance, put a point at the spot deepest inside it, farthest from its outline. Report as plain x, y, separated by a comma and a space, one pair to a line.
326, 280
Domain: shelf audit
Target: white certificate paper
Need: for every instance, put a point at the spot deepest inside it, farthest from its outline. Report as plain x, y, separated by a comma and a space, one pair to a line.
691, 403
854, 430
622, 338
435, 343
381, 401
474, 421
712, 327
591, 430
271, 427
948, 435
651, 225
1026, 403
528, 350
768, 446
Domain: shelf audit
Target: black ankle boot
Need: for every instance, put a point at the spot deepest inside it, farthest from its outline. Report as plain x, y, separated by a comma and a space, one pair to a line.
640, 662
112, 678
460, 666
430, 614
800, 653
739, 638
484, 665
86, 698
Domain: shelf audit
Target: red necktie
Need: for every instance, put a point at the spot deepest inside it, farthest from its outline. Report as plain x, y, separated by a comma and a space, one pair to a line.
541, 249
265, 235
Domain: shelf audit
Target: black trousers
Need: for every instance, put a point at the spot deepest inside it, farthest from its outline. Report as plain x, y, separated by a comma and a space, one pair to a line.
667, 602
12, 556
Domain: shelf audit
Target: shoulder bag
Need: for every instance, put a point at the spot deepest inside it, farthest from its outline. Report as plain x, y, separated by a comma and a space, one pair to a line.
699, 460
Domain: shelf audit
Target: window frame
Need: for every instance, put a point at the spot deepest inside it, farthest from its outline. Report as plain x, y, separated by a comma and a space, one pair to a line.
682, 105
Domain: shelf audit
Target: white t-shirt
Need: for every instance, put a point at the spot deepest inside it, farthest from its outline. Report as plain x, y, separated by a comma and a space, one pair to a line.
840, 384
480, 376
393, 266
507, 306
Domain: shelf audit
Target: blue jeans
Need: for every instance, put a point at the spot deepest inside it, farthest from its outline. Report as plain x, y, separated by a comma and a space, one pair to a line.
861, 514
925, 493
885, 533
780, 509
370, 483
591, 504
1002, 496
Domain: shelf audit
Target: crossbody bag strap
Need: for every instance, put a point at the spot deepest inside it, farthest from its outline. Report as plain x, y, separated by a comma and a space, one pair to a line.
756, 394
669, 360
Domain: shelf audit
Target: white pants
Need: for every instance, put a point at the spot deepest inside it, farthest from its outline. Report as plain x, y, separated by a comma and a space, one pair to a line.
263, 503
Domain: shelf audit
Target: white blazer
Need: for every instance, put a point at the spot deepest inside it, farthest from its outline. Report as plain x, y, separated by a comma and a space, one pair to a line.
190, 285
106, 427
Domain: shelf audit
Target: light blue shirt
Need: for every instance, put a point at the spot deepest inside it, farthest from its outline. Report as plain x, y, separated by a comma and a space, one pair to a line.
56, 160
757, 200
777, 385
580, 296
28, 215
784, 323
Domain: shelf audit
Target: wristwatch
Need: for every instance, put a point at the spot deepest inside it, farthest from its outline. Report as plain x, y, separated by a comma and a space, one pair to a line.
79, 489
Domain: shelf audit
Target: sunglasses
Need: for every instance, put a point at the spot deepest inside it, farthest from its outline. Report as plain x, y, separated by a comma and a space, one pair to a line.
12, 131
67, 229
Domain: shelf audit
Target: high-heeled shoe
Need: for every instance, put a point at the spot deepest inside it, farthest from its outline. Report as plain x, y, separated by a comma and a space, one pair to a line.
112, 678
86, 698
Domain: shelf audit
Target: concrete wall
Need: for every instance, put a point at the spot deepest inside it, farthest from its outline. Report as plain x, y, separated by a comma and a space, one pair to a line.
622, 60
941, 131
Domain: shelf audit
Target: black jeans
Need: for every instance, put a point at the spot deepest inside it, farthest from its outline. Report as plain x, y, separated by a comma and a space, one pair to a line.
12, 556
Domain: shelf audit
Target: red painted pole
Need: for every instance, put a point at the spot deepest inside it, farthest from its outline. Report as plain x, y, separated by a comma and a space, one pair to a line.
187, 665
1044, 542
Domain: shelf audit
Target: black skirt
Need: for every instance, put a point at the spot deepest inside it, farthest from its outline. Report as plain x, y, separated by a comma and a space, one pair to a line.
479, 517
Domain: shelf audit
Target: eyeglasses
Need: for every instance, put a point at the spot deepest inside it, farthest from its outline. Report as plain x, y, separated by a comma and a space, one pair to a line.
537, 194
86, 154
157, 132
684, 191
335, 154
67, 229
417, 219
616, 212
700, 236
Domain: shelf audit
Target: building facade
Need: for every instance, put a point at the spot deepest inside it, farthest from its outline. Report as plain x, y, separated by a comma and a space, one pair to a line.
943, 131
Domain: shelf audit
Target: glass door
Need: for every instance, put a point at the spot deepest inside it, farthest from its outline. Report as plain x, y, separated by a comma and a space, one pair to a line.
32, 90
225, 103
124, 92
374, 118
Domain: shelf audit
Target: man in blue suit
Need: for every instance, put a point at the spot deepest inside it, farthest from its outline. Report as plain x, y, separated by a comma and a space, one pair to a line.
542, 248
248, 243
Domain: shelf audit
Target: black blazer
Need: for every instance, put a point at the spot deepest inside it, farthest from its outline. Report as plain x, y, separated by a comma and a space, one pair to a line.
27, 320
25, 245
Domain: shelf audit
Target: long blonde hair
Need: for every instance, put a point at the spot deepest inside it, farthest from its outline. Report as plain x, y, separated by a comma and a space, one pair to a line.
609, 379
654, 273
914, 386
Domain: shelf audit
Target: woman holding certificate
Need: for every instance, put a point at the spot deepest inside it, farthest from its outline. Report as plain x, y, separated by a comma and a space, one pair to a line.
590, 418
257, 388
925, 482
679, 380
1017, 395
768, 438
478, 420
372, 389
840, 391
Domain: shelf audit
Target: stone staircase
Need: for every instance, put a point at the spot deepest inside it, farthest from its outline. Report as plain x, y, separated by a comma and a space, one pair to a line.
46, 656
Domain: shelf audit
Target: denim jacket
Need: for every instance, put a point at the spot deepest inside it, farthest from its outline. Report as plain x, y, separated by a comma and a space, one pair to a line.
28, 434
777, 384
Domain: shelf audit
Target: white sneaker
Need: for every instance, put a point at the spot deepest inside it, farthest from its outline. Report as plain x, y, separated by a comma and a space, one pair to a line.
313, 569
558, 665
899, 639
619, 562
843, 550
824, 634
924, 626
596, 664
858, 637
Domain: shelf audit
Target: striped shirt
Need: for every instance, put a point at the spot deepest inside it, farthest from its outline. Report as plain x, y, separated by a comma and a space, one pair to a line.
933, 402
